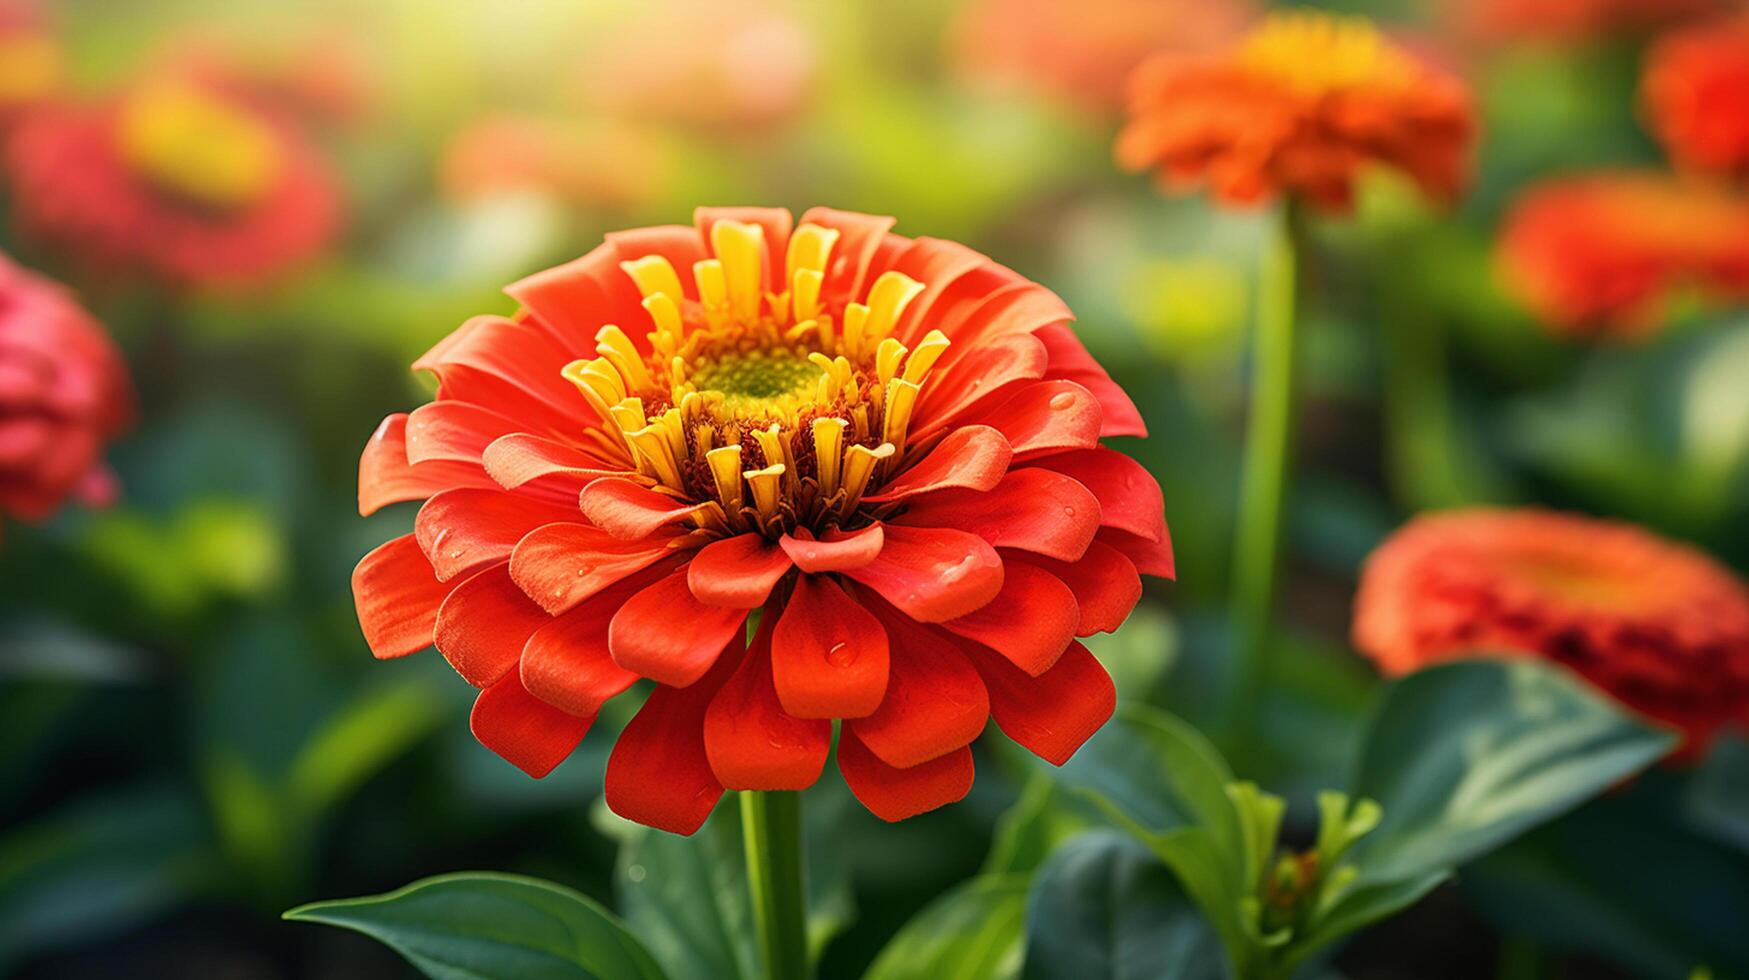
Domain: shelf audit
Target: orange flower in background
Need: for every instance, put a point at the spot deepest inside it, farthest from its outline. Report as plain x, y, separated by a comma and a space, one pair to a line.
31, 68
1657, 625
174, 179
64, 394
891, 446
1571, 20
1601, 254
1083, 52
1298, 107
1696, 96
717, 64
603, 163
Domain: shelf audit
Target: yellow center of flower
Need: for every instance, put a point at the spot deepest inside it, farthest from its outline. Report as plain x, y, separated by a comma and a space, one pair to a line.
30, 68
769, 408
195, 145
1318, 53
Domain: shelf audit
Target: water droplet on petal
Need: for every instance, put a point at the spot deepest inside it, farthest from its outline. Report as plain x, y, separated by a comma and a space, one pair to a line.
1068, 512
1063, 400
841, 654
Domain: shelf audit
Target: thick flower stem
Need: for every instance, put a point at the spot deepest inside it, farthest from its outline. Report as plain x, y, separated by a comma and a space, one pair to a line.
1264, 481
771, 827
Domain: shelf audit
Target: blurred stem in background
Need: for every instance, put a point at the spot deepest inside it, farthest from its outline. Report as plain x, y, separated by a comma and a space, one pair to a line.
771, 827
1263, 487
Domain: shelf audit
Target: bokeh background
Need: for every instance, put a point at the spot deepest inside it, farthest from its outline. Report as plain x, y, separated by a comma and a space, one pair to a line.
194, 738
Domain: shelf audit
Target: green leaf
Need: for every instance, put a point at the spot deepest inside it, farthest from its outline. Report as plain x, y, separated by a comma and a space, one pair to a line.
361, 737
1103, 907
1717, 800
1156, 773
474, 925
1030, 831
1465, 756
687, 897
973, 932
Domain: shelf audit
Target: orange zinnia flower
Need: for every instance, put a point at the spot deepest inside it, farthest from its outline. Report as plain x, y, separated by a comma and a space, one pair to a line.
1083, 52
64, 394
176, 179
1696, 96
1659, 626
1298, 107
890, 446
1599, 254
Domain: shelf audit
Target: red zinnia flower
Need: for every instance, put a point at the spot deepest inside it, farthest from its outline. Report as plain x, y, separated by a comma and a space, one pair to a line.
1659, 626
1600, 254
1084, 52
1298, 107
1696, 95
177, 179
889, 445
64, 394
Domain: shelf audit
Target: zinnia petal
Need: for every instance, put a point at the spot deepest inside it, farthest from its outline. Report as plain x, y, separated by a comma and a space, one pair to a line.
829, 655
667, 635
753, 744
1031, 621
484, 623
527, 732
397, 596
933, 574
1051, 714
659, 774
736, 572
1031, 509
896, 794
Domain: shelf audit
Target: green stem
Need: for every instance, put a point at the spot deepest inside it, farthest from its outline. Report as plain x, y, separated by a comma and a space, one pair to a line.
1264, 482
771, 827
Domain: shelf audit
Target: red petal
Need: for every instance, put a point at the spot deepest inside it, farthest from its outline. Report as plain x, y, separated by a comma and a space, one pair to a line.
933, 574
460, 530
829, 654
1047, 417
659, 774
1031, 509
397, 596
1031, 621
519, 458
528, 733
454, 431
838, 551
1129, 498
951, 274
751, 741
1018, 306
1105, 584
973, 457
935, 701
859, 238
736, 572
775, 221
980, 373
1053, 713
895, 794
665, 634
560, 565
386, 477
1150, 557
1071, 362
566, 663
576, 298
483, 625
513, 366
628, 510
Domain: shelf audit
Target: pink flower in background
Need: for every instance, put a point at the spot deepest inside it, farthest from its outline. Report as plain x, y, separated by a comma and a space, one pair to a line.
64, 394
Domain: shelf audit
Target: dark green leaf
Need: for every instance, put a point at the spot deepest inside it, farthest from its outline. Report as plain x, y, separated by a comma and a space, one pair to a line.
1103, 908
1157, 773
1466, 756
974, 932
475, 925
1718, 798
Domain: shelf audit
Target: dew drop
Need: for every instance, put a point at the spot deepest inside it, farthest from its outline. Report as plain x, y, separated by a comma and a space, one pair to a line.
841, 654
635, 872
455, 553
810, 554
954, 571
1068, 512
1063, 400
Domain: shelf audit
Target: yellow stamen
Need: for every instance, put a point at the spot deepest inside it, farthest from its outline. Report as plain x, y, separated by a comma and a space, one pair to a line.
654, 276
741, 250
859, 466
829, 452
887, 358
767, 486
887, 300
725, 464
612, 343
929, 350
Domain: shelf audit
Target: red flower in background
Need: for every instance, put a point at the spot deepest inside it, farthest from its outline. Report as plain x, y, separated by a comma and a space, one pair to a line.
1600, 254
176, 179
1696, 96
1298, 107
64, 394
1084, 52
890, 445
1493, 21
1659, 626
